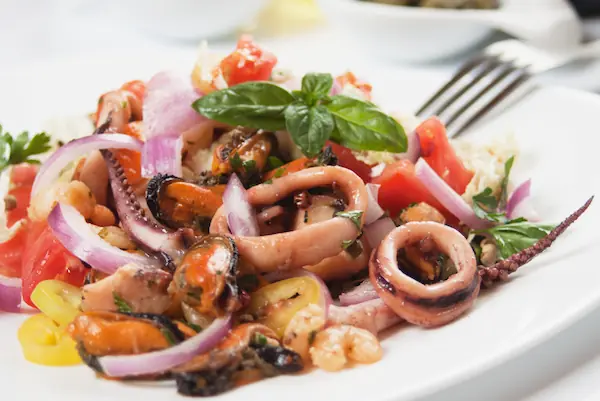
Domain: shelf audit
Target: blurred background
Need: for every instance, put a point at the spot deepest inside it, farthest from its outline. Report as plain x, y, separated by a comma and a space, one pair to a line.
393, 31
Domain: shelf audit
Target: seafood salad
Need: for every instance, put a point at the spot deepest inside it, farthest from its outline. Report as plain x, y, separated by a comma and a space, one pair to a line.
240, 222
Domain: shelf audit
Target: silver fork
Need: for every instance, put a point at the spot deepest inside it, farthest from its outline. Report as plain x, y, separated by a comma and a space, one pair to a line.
483, 82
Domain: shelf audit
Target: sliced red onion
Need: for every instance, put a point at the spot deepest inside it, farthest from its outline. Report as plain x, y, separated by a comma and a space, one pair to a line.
517, 198
163, 360
162, 154
10, 294
336, 88
374, 211
52, 167
363, 293
526, 210
168, 106
413, 150
71, 229
241, 217
447, 196
377, 231
326, 300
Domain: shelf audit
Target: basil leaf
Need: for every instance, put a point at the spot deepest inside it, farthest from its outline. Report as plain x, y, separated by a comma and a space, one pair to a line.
514, 237
317, 84
309, 127
504, 183
251, 104
485, 206
362, 126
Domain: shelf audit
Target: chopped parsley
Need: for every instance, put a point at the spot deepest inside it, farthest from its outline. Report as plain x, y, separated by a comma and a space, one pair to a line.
121, 304
354, 216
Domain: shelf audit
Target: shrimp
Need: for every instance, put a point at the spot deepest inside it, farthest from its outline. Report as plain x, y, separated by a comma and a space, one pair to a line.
74, 193
302, 329
335, 346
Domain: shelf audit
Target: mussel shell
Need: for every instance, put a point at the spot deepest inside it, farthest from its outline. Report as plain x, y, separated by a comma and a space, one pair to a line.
270, 360
153, 196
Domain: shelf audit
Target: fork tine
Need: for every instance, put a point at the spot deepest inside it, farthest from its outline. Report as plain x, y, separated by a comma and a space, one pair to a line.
502, 72
487, 65
464, 70
522, 77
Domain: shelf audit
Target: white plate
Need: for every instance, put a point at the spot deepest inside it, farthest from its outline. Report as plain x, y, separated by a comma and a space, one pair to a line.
556, 129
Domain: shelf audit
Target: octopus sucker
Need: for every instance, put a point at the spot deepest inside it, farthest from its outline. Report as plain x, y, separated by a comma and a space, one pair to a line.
308, 245
148, 234
426, 305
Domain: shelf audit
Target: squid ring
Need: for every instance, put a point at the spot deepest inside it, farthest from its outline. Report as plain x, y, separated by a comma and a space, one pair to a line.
425, 305
309, 245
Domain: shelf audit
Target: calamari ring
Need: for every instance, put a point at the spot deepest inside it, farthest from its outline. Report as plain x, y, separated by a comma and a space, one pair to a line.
342, 265
310, 245
425, 305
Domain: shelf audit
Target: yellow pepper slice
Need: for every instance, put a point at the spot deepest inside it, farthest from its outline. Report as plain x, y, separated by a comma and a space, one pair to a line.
45, 343
274, 305
57, 300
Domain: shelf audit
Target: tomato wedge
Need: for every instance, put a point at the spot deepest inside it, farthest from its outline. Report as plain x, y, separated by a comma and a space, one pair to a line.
347, 159
11, 250
350, 78
21, 181
440, 155
248, 62
400, 187
45, 258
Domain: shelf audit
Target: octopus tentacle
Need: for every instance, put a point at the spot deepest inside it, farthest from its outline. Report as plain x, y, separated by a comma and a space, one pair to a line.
145, 232
425, 305
373, 315
309, 245
501, 270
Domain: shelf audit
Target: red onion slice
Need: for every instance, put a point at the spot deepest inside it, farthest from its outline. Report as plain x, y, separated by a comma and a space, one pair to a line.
374, 211
168, 106
326, 300
77, 148
163, 360
71, 229
241, 217
447, 197
162, 155
363, 293
519, 204
376, 231
10, 294
413, 149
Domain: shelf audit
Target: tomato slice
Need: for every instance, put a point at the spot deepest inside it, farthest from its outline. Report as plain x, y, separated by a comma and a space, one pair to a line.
45, 258
400, 187
248, 62
137, 87
347, 159
11, 250
131, 160
440, 155
21, 181
350, 78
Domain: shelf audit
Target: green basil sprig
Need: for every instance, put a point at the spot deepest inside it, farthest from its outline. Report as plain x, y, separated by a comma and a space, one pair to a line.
310, 115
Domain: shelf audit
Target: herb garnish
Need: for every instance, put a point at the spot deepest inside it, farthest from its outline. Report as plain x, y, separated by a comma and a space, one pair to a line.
489, 207
168, 336
260, 339
121, 304
354, 216
15, 150
516, 235
310, 115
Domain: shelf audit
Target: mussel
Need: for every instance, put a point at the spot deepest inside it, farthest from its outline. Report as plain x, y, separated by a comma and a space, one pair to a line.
243, 150
206, 278
111, 333
178, 204
250, 352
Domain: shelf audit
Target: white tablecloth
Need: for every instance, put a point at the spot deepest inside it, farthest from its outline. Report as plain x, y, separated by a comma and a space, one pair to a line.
565, 368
